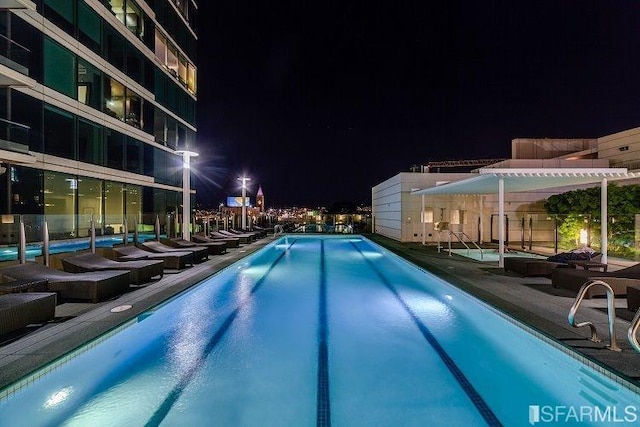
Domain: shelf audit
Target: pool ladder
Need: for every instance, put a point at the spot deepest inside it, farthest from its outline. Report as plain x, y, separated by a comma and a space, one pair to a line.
633, 326
611, 312
462, 233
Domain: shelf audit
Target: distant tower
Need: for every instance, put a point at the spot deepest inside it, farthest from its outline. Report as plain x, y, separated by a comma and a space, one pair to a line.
260, 199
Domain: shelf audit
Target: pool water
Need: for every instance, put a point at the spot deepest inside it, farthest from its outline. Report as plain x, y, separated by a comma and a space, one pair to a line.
491, 255
317, 330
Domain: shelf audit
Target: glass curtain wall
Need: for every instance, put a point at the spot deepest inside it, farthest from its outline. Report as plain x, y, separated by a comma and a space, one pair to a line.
89, 205
60, 195
113, 207
133, 206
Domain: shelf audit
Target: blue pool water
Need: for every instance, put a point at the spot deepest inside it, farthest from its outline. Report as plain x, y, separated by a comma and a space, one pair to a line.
319, 330
10, 253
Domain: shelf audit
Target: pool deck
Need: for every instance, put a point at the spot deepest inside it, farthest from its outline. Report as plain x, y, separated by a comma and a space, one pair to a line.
530, 300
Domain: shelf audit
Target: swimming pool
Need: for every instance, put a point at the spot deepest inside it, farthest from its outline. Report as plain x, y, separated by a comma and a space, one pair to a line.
318, 330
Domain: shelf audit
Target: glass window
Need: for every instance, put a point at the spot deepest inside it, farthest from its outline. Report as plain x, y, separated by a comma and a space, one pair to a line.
89, 26
182, 70
114, 142
59, 68
148, 160
59, 133
160, 166
115, 49
134, 64
89, 205
90, 147
172, 132
172, 60
113, 207
60, 204
161, 48
114, 99
60, 12
89, 84
134, 19
133, 206
159, 126
191, 79
26, 191
134, 162
134, 109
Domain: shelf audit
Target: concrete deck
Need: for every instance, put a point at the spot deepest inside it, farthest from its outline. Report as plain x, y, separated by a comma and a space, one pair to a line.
531, 300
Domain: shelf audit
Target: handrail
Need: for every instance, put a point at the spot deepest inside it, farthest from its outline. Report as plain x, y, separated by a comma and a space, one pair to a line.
458, 234
633, 329
278, 229
611, 312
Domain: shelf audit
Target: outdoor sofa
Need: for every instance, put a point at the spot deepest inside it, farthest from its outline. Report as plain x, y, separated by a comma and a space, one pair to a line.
573, 279
93, 286
140, 271
530, 267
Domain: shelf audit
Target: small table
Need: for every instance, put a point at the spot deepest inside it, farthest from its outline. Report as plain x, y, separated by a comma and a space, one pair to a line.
587, 265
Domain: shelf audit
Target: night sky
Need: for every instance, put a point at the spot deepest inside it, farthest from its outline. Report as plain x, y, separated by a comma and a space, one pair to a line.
320, 101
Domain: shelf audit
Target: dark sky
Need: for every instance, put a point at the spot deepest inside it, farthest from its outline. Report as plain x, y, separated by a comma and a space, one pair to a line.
318, 101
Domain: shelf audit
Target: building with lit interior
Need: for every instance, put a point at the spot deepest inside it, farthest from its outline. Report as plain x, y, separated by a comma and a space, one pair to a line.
95, 98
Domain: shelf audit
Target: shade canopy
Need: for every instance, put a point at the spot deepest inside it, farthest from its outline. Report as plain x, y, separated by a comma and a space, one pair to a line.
513, 180
519, 180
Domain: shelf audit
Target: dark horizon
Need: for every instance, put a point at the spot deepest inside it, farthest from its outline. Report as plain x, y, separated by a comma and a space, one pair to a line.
320, 102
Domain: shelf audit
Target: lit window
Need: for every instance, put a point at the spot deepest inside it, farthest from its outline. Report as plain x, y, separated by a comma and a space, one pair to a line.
427, 215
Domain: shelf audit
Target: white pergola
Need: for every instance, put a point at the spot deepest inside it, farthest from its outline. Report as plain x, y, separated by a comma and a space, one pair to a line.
500, 181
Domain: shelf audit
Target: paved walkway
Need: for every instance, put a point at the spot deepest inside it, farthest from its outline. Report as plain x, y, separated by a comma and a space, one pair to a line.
530, 300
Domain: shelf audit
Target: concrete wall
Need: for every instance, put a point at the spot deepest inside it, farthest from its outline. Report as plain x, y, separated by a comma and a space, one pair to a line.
622, 149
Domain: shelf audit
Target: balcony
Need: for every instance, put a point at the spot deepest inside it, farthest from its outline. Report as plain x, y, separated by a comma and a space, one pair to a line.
14, 63
14, 143
17, 4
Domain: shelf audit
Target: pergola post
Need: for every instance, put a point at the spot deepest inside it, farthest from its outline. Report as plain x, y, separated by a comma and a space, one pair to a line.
501, 222
603, 216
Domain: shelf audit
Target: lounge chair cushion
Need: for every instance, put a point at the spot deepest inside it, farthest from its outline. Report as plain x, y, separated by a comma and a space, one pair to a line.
141, 271
20, 310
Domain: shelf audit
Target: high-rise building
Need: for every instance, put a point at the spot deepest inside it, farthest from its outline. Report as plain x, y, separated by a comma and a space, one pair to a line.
95, 98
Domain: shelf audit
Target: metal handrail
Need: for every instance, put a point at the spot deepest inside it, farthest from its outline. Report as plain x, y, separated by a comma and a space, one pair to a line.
277, 230
611, 313
633, 329
458, 234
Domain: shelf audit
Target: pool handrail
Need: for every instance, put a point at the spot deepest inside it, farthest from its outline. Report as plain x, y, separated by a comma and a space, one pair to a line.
611, 313
462, 233
633, 329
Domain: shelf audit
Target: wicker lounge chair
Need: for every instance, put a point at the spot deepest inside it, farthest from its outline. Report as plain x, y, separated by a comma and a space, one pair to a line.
9, 285
223, 234
232, 242
213, 248
94, 286
249, 238
141, 271
573, 279
20, 310
173, 260
199, 254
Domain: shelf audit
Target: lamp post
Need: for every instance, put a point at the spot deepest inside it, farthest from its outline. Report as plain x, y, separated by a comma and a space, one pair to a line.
244, 180
186, 191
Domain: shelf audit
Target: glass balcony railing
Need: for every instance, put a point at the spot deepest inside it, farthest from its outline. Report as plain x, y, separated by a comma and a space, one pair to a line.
14, 55
14, 136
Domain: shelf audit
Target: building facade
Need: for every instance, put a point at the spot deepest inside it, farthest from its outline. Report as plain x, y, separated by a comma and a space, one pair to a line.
95, 98
407, 217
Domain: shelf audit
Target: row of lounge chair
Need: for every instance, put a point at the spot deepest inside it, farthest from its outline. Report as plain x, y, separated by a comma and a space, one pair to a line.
29, 292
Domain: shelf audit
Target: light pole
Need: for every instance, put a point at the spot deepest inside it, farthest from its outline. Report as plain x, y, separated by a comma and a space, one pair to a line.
186, 191
244, 180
